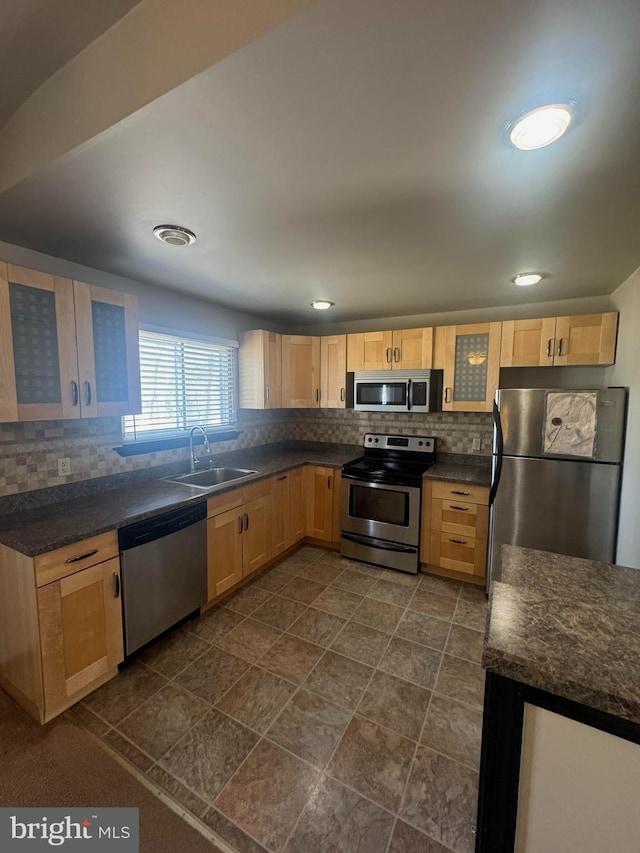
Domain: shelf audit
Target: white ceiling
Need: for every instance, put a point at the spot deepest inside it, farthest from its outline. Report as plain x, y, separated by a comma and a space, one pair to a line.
356, 153
37, 37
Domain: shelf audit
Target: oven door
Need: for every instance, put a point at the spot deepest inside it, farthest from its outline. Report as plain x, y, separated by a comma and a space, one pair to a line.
381, 511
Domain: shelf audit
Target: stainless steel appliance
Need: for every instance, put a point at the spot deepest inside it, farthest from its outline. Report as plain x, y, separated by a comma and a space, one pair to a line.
381, 496
163, 563
395, 391
556, 472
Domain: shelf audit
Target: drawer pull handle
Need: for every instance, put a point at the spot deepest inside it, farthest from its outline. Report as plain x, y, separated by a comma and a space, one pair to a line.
454, 492
82, 556
459, 508
284, 477
459, 541
116, 585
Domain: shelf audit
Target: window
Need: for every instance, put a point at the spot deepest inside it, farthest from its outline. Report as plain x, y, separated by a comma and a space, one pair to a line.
183, 382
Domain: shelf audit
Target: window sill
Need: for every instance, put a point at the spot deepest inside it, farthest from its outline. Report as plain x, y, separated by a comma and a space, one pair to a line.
135, 448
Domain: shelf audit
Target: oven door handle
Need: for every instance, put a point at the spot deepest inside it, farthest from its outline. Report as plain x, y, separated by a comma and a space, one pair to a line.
347, 476
381, 544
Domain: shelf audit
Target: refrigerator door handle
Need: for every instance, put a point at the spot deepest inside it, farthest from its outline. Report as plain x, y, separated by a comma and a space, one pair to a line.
499, 453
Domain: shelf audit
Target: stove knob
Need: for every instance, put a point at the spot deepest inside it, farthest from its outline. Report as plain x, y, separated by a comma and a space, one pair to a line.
377, 440
420, 443
369, 439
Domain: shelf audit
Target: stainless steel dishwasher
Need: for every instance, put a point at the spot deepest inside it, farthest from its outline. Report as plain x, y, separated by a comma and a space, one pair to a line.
163, 563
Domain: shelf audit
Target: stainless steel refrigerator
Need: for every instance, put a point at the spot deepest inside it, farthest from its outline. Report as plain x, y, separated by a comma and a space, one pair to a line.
557, 467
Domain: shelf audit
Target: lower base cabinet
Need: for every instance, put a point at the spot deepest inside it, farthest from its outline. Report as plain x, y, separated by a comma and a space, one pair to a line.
287, 510
60, 623
455, 527
238, 535
322, 487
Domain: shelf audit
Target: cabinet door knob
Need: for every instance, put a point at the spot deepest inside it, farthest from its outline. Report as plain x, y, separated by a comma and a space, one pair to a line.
266, 392
342, 395
560, 347
240, 524
447, 395
116, 585
388, 355
550, 347
246, 521
74, 393
396, 354
317, 395
329, 481
87, 389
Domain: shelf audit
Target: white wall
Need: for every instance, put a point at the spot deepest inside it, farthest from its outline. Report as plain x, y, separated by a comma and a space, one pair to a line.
626, 371
157, 306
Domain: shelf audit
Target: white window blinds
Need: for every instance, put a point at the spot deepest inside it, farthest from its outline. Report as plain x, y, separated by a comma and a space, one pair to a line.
184, 382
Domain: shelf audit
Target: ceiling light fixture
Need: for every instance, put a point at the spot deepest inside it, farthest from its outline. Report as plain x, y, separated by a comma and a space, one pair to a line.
174, 235
321, 304
541, 126
524, 279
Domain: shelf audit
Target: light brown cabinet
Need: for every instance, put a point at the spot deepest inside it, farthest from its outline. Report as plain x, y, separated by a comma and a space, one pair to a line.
60, 623
238, 535
300, 372
322, 489
287, 515
401, 349
455, 528
260, 369
333, 371
471, 361
588, 339
67, 349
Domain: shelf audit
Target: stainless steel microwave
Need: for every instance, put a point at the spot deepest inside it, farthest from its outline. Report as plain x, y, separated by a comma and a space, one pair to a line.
395, 391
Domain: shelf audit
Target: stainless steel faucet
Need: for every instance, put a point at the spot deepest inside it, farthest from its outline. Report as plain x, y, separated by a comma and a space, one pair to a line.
207, 447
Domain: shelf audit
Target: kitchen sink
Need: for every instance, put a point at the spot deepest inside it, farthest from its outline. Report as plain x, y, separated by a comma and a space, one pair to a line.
211, 478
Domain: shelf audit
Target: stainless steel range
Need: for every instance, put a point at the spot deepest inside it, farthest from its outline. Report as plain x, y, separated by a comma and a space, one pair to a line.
381, 496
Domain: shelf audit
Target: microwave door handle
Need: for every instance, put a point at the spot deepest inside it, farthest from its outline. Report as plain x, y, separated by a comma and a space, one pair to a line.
409, 395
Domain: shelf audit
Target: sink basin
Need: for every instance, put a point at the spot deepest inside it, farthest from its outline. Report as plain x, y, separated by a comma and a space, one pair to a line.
212, 477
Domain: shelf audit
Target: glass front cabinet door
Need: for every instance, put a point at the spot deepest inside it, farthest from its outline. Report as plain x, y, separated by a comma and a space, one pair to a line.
471, 367
67, 349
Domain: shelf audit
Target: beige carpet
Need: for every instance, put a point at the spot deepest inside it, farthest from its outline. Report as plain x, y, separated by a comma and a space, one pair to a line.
62, 765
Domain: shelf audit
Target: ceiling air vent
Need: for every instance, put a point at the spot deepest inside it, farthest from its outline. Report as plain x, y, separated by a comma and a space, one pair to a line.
174, 235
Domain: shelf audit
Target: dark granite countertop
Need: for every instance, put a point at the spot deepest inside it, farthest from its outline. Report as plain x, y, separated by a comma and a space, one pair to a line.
568, 626
40, 529
471, 475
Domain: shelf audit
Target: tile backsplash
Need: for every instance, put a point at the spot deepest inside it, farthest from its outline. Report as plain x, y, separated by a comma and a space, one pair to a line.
29, 452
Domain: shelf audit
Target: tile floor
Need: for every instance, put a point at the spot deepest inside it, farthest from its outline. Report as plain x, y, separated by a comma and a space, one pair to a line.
327, 706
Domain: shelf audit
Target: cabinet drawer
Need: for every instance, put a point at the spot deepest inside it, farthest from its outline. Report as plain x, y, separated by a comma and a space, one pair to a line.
460, 517
72, 558
260, 489
224, 502
461, 491
459, 553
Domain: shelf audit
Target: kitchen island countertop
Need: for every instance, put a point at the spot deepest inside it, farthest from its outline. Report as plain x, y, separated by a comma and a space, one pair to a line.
568, 626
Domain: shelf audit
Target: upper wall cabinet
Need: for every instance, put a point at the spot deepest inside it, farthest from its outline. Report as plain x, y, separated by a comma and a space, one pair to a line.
108, 351
402, 349
333, 371
300, 371
471, 367
67, 349
260, 370
589, 339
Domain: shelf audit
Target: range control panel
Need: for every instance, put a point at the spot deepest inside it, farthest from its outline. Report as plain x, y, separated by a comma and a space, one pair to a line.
413, 443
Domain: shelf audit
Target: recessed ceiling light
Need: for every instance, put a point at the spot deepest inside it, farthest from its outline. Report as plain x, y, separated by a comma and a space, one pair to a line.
524, 279
321, 304
174, 235
541, 126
